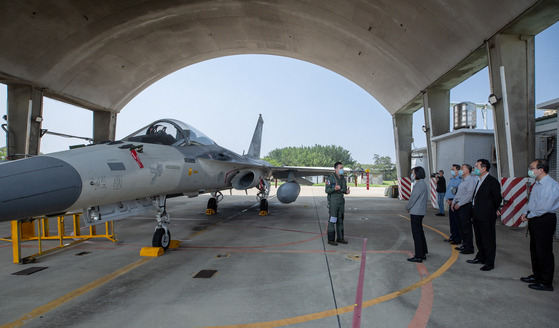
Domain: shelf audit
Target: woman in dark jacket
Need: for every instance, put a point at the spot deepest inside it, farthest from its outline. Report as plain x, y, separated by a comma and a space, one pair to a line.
417, 207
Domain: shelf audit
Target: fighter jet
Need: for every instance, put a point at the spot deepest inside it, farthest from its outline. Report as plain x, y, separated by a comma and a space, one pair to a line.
133, 176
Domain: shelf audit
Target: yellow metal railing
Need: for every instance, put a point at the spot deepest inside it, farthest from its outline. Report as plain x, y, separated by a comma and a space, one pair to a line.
37, 229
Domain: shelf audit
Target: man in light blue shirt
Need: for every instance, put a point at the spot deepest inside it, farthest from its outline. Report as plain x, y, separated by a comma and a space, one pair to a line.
542, 222
462, 205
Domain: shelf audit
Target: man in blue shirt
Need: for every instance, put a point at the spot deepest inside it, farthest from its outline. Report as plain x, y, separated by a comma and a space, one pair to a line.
462, 204
451, 191
542, 222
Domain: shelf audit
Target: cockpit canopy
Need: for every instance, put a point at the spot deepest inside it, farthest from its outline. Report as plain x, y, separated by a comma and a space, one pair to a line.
170, 132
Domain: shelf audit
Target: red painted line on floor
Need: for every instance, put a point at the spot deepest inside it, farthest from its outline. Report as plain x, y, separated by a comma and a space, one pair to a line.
359, 293
289, 230
264, 246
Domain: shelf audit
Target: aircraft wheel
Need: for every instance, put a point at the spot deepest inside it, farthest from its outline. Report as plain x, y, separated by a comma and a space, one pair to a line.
264, 205
212, 203
161, 238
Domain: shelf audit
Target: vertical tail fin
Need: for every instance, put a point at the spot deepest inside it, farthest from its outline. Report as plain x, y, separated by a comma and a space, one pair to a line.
254, 149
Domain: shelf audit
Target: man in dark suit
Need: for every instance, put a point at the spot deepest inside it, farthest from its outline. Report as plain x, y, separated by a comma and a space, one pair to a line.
485, 208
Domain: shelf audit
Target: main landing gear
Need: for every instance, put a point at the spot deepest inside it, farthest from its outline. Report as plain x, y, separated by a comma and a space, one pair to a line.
162, 235
262, 196
213, 201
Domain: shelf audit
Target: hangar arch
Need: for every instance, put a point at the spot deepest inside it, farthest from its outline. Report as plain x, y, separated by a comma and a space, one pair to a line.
99, 55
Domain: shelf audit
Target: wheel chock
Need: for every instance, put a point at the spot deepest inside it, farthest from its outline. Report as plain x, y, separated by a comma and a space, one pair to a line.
174, 244
263, 213
210, 211
152, 251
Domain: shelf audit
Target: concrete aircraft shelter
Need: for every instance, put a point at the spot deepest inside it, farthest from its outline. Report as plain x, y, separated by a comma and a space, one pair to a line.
407, 54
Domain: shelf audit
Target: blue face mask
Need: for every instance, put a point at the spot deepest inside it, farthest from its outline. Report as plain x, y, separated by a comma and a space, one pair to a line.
460, 172
477, 171
452, 173
341, 171
412, 176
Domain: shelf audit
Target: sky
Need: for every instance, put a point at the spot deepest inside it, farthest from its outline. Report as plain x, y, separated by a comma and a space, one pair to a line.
302, 104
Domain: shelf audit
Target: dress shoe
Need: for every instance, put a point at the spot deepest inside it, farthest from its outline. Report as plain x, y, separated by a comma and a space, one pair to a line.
333, 243
540, 286
530, 279
415, 259
474, 261
459, 248
466, 252
486, 268
342, 241
454, 242
424, 257
447, 240
439, 214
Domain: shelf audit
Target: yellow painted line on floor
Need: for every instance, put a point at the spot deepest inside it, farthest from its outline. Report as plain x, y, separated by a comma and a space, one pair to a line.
76, 293
347, 309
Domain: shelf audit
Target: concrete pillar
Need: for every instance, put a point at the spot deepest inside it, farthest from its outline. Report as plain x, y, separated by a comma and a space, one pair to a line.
25, 116
512, 57
436, 110
403, 139
104, 126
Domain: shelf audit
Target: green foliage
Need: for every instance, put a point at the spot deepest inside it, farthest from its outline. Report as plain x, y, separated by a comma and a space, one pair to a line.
317, 155
3, 153
384, 165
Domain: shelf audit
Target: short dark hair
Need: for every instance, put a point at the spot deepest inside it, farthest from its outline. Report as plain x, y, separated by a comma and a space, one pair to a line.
336, 164
469, 167
542, 164
419, 172
441, 171
485, 163
456, 166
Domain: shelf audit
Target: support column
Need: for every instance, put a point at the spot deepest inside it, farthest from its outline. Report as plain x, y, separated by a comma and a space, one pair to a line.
403, 140
25, 117
104, 126
511, 76
436, 110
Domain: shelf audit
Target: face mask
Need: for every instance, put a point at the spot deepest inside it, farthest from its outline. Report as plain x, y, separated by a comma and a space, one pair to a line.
460, 172
477, 171
531, 174
341, 171
412, 176
452, 173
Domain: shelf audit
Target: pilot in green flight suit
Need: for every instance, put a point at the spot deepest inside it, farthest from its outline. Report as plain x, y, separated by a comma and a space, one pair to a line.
336, 187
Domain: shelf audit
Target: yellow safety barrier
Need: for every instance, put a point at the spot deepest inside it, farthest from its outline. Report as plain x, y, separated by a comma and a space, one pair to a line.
37, 229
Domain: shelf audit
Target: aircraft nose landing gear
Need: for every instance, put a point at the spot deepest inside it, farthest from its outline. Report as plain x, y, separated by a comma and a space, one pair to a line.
162, 235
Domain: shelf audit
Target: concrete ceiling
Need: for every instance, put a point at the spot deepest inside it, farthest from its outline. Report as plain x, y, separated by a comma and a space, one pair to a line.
100, 54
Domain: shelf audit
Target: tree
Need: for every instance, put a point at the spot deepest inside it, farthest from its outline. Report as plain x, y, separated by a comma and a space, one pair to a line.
3, 154
317, 155
384, 165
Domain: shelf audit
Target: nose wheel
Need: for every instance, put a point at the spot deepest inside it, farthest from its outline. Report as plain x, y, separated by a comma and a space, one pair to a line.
161, 238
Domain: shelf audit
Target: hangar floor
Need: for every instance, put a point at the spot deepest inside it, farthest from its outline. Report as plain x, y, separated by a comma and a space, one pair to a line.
276, 271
